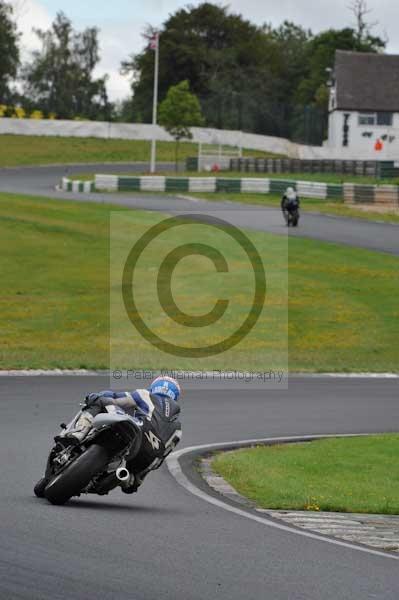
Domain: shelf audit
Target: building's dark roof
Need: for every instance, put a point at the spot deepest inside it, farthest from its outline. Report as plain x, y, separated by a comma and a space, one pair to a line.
365, 81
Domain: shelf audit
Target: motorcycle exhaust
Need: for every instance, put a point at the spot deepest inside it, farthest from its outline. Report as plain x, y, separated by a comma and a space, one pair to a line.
122, 474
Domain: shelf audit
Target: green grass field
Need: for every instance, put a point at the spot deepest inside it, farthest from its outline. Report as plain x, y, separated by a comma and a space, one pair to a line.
20, 150
342, 475
196, 286
343, 311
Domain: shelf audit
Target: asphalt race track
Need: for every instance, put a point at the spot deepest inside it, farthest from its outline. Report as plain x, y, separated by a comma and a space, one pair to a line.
164, 543
354, 232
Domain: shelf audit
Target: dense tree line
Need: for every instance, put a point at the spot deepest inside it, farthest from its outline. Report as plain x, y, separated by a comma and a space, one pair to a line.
58, 81
248, 77
60, 77
261, 79
9, 50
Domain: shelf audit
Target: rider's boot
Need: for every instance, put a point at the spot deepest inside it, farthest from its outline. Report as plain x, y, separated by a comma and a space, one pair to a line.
133, 483
77, 435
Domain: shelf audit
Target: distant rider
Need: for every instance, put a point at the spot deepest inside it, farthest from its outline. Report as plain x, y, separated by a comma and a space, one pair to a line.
156, 407
289, 202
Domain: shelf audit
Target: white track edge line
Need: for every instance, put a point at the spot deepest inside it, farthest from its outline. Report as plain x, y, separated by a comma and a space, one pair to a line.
176, 471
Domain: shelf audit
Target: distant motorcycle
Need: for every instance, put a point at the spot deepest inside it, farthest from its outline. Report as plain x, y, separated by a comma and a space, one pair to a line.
290, 206
292, 216
97, 464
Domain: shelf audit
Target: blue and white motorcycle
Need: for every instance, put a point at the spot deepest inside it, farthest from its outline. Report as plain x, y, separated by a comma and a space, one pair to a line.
95, 465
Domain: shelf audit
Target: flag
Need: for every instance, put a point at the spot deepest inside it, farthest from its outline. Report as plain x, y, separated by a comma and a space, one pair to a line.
154, 40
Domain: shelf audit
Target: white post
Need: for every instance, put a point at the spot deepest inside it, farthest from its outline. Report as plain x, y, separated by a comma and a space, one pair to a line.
199, 156
155, 103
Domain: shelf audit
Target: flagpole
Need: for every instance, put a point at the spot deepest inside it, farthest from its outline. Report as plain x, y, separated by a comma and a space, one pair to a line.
155, 105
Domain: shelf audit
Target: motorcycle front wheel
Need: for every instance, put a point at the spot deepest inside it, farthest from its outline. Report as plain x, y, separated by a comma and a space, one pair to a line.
71, 481
40, 487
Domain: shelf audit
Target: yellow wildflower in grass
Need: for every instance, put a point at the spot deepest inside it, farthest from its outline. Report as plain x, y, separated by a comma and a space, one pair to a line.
312, 507
312, 504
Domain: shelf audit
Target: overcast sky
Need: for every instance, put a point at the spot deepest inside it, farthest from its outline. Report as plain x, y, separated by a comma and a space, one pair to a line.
122, 22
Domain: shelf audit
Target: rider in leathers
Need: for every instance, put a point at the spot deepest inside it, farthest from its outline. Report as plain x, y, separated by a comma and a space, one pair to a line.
158, 410
290, 201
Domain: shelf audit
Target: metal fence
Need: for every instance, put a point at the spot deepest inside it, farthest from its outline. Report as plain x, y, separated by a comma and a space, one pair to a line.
286, 165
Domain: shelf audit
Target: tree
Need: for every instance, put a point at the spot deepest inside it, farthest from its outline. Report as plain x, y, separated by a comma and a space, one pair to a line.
262, 79
220, 54
292, 45
178, 112
360, 10
60, 77
9, 51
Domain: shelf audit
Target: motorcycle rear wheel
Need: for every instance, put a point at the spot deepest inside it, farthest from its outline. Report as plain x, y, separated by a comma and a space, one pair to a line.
71, 481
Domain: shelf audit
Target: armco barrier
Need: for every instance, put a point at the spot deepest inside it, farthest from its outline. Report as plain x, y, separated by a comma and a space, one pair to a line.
350, 192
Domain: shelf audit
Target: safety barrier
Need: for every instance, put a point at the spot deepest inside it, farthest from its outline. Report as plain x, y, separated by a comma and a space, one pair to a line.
69, 185
115, 183
291, 165
351, 193
366, 168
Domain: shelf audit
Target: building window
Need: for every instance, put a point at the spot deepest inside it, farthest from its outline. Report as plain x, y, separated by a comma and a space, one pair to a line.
367, 119
384, 118
380, 118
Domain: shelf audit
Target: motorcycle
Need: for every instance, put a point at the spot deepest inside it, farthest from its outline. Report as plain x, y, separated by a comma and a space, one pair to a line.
95, 465
291, 214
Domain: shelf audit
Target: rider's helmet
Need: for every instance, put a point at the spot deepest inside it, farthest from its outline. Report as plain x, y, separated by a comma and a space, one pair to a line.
290, 193
165, 386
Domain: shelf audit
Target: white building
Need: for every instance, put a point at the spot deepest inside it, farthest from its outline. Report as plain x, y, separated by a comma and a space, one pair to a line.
364, 105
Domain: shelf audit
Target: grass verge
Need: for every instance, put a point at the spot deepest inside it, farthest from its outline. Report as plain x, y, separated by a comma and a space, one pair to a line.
343, 475
54, 307
20, 150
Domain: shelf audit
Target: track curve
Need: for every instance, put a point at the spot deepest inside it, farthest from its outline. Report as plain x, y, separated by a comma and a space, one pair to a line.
234, 504
163, 542
42, 181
